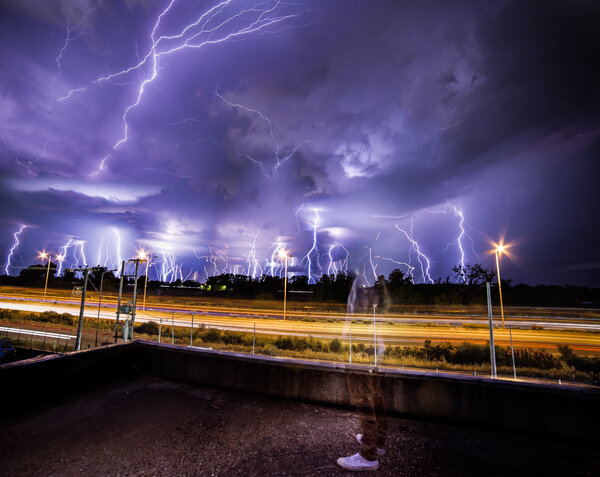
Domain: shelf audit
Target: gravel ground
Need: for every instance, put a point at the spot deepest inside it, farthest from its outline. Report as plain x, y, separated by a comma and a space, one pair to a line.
152, 426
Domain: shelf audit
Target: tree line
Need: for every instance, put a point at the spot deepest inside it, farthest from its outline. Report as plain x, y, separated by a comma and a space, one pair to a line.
465, 287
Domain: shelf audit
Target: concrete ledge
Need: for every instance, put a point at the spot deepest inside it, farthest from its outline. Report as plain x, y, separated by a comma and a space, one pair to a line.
513, 406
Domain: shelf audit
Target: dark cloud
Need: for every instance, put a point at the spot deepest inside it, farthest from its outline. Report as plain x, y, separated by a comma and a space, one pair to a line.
359, 118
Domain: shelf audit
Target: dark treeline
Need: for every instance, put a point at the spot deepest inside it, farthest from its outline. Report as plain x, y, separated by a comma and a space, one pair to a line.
465, 287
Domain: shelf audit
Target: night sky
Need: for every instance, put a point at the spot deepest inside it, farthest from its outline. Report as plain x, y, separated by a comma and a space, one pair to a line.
357, 135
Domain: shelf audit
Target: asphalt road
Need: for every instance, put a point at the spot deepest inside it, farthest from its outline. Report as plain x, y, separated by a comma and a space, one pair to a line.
393, 330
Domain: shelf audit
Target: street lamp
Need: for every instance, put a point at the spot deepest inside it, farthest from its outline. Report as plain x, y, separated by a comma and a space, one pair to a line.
498, 251
100, 301
284, 255
143, 255
43, 255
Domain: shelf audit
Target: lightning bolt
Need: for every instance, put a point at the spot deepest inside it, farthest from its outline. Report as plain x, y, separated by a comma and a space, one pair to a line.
279, 159
409, 268
63, 252
77, 30
421, 257
460, 245
27, 165
373, 266
80, 245
253, 264
214, 26
274, 264
332, 268
248, 110
212, 259
119, 253
314, 249
99, 261
296, 215
459, 239
169, 269
14, 248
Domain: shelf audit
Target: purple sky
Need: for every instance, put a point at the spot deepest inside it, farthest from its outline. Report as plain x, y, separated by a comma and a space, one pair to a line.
236, 128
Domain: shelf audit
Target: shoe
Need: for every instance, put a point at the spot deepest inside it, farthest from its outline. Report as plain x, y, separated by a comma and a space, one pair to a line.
357, 462
359, 440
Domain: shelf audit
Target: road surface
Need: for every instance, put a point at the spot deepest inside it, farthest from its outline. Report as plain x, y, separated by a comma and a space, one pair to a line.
393, 330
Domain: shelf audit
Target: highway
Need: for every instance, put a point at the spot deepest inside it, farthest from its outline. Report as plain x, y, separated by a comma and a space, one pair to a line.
582, 335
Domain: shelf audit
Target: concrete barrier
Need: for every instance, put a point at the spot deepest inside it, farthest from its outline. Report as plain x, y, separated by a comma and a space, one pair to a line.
504, 405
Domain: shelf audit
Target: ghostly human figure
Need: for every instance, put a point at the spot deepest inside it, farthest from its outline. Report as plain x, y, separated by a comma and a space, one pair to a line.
365, 386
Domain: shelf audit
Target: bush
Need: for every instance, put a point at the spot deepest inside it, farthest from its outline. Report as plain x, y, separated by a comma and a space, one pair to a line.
335, 346
148, 328
469, 353
269, 350
211, 335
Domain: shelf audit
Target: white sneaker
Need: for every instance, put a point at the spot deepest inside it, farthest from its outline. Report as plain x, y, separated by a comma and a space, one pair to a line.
357, 462
359, 440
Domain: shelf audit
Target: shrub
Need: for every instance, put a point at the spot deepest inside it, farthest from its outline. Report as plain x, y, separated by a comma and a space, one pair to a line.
335, 346
148, 328
269, 350
211, 335
284, 342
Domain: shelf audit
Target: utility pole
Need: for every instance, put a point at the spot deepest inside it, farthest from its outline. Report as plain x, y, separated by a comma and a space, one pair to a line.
119, 301
85, 271
137, 262
137, 266
130, 310
100, 301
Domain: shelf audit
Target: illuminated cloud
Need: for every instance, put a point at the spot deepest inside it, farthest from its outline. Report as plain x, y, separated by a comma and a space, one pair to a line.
372, 112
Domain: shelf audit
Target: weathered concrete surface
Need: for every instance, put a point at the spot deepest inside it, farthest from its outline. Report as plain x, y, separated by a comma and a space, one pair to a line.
525, 408
152, 426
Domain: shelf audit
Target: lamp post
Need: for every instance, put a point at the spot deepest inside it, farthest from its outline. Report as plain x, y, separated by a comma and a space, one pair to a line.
100, 301
145, 256
44, 255
283, 254
498, 251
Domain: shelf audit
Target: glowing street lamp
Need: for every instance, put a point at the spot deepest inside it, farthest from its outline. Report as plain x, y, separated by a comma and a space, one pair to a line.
43, 255
498, 251
143, 255
284, 255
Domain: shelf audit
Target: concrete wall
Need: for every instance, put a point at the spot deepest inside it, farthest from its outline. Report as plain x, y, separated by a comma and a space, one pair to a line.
528, 408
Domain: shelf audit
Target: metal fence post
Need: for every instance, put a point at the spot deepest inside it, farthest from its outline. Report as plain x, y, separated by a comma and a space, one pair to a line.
173, 328
350, 328
492, 349
192, 330
159, 328
512, 350
374, 336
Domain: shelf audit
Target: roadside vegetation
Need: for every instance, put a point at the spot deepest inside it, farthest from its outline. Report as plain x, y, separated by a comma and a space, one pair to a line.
464, 357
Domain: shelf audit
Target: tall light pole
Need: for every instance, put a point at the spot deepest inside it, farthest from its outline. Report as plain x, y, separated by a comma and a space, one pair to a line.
283, 254
498, 251
145, 256
44, 255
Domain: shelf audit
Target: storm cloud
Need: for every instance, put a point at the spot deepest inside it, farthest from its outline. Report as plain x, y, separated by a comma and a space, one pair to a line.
342, 121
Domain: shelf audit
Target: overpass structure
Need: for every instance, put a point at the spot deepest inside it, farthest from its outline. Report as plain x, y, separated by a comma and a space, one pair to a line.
152, 408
